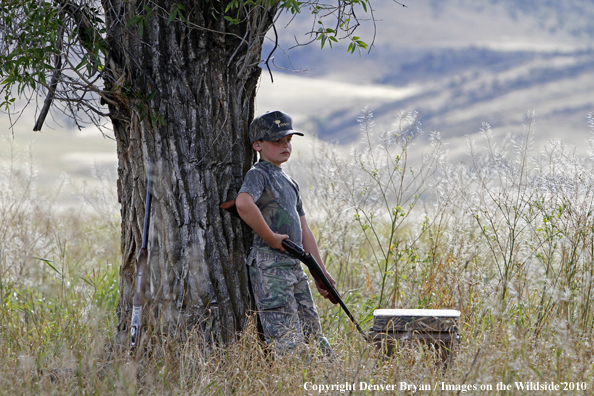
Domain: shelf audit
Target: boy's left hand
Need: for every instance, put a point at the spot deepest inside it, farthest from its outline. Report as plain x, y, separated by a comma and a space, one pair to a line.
325, 293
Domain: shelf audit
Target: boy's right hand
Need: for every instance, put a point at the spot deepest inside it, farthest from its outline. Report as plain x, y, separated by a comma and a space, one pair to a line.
249, 212
275, 241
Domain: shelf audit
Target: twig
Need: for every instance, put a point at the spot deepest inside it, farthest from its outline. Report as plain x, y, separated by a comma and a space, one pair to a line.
274, 49
471, 368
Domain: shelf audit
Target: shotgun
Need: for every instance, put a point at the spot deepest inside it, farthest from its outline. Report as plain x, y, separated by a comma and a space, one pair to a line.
141, 270
316, 271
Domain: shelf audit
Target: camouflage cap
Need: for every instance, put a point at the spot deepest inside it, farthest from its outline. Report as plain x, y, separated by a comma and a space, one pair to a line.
272, 126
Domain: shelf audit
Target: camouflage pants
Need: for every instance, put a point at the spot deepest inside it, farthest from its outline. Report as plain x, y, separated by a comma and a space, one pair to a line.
285, 305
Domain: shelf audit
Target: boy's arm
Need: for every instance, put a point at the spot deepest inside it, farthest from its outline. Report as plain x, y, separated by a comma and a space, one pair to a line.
250, 213
310, 245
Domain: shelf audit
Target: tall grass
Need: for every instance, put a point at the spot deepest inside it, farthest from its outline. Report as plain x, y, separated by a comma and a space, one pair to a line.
58, 277
506, 237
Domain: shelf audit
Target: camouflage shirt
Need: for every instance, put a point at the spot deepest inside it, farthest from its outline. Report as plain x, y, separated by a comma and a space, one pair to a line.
277, 196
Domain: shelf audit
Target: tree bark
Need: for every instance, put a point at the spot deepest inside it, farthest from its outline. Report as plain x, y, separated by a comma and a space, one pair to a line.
200, 78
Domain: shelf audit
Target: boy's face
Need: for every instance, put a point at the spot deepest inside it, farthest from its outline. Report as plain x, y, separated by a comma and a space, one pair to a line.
274, 152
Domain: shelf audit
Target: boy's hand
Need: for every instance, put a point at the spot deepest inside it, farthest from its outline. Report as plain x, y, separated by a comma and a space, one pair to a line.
249, 212
275, 241
325, 293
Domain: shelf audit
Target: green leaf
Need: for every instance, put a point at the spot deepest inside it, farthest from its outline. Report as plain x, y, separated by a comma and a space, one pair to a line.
49, 263
233, 21
323, 39
87, 281
171, 16
82, 63
134, 20
183, 18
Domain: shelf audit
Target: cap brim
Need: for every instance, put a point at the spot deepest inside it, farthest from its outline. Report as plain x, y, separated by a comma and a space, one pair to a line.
288, 132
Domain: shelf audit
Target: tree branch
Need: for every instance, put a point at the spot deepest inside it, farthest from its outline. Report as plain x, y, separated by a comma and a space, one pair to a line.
53, 83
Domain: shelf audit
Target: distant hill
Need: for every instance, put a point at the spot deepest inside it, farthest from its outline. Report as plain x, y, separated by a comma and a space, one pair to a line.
573, 16
458, 63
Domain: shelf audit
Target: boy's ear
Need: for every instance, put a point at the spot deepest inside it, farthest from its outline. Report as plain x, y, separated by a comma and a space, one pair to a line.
256, 145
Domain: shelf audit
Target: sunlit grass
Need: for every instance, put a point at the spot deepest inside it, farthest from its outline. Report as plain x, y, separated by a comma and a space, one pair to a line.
524, 289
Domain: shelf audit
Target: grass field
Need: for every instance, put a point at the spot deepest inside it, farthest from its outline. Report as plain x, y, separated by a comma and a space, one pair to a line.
507, 238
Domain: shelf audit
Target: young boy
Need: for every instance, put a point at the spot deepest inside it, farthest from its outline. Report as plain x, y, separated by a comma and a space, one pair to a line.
269, 202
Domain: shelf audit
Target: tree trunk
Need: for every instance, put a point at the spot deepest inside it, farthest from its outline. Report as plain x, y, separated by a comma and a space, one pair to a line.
199, 78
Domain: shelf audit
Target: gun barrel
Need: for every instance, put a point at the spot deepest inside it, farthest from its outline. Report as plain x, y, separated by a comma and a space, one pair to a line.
147, 212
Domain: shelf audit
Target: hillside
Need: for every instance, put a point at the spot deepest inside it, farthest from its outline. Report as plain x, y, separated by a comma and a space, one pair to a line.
457, 63
458, 66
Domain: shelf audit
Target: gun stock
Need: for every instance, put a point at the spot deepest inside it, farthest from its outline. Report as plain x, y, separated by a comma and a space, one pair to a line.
141, 270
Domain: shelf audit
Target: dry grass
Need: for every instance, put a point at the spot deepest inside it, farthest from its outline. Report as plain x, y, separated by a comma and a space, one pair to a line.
520, 273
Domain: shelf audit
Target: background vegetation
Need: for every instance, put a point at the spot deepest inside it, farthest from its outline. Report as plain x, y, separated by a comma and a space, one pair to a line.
506, 237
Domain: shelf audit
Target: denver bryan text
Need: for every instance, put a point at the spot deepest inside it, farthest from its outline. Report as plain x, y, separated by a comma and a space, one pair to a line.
353, 386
